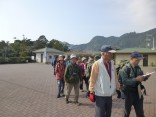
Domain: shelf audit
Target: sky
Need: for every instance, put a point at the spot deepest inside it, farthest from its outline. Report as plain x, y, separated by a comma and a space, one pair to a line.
74, 21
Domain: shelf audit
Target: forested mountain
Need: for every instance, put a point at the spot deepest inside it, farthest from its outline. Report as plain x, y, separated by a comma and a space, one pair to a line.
127, 40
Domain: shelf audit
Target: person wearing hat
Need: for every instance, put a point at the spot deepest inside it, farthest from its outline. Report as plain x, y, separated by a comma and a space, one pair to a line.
54, 64
72, 78
67, 61
103, 82
83, 66
88, 72
96, 57
132, 76
59, 70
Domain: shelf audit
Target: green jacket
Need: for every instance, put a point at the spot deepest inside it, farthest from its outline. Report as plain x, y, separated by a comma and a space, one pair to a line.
72, 74
88, 70
128, 75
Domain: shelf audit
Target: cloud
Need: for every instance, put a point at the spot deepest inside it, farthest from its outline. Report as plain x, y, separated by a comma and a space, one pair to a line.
142, 12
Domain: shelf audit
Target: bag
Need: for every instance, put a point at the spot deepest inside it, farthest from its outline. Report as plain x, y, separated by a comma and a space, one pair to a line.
121, 64
88, 70
120, 93
92, 97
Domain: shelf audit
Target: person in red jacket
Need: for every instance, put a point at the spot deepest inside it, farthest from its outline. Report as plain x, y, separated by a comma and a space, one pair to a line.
59, 70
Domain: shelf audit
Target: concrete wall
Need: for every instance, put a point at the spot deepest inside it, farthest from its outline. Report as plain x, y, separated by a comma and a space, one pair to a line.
119, 57
46, 59
38, 57
152, 59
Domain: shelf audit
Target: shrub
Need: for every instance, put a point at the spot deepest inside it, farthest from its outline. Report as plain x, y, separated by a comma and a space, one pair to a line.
15, 60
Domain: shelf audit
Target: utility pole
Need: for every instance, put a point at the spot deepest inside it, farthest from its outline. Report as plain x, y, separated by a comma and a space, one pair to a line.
153, 44
150, 41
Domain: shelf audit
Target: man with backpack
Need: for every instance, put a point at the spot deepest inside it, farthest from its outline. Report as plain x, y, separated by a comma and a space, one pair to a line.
72, 78
132, 76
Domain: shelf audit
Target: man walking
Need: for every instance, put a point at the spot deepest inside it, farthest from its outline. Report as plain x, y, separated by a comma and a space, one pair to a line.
103, 81
72, 78
132, 76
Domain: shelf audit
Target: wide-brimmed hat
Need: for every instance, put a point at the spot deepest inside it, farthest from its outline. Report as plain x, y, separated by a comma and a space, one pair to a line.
84, 58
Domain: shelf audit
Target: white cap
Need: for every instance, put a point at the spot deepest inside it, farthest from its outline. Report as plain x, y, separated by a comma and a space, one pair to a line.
112, 51
60, 55
72, 56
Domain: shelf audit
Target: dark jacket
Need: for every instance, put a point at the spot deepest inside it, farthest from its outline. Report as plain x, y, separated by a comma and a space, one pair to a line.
128, 75
72, 74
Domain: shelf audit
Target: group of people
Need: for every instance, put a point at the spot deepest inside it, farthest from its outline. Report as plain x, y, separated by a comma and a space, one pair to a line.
101, 80
72, 73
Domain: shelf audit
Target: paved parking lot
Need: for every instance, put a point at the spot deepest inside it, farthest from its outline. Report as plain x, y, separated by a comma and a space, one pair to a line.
29, 90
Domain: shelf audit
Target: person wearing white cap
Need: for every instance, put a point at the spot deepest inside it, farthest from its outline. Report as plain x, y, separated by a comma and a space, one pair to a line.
83, 65
72, 78
103, 82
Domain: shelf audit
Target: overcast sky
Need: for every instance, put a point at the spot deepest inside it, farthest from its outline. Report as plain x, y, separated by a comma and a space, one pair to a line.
74, 21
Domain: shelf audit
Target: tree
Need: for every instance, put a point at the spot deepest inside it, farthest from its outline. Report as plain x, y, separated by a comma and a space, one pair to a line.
41, 42
4, 47
58, 45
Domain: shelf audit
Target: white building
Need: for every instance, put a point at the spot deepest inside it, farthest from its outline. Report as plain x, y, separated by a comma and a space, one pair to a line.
46, 55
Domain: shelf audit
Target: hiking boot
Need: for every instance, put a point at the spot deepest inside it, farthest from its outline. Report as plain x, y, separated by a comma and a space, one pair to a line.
58, 96
62, 95
82, 90
67, 101
77, 103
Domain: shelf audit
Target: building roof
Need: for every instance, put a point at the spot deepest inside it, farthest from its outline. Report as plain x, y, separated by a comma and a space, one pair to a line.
48, 50
140, 50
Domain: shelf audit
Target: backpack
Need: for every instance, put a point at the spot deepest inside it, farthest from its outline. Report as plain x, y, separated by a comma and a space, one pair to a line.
88, 70
121, 64
121, 93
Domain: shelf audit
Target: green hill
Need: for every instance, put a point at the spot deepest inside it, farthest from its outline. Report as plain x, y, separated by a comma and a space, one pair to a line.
128, 40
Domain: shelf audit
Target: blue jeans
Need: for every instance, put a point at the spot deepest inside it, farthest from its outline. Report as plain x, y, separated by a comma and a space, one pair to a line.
60, 84
103, 106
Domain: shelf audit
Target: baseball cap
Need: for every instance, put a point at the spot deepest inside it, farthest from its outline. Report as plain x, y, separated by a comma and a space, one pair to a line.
136, 55
72, 56
107, 48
